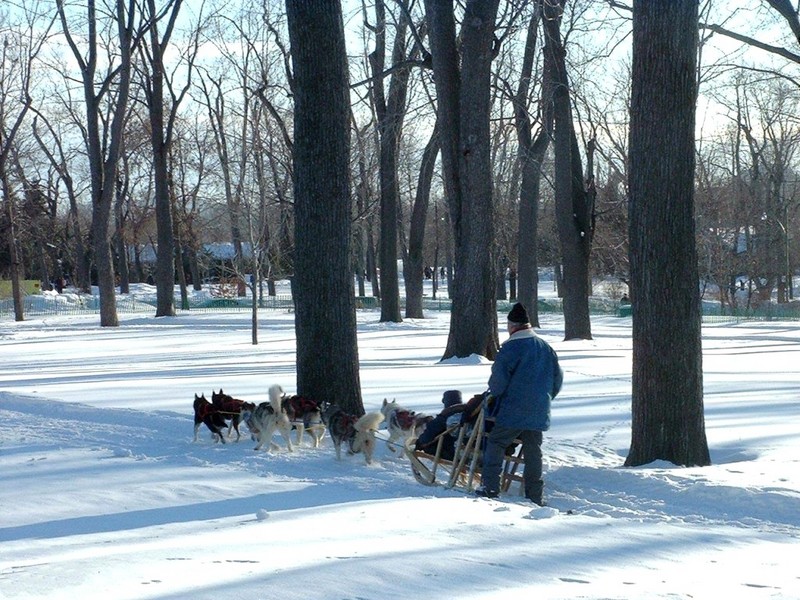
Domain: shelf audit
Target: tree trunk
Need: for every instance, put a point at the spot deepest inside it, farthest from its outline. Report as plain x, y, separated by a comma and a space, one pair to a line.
103, 152
16, 276
574, 229
180, 271
532, 153
104, 261
165, 251
413, 273
119, 236
325, 317
463, 107
254, 285
390, 114
667, 385
372, 266
81, 278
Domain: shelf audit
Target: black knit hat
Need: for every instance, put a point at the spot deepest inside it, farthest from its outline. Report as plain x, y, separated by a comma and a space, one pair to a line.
518, 314
451, 397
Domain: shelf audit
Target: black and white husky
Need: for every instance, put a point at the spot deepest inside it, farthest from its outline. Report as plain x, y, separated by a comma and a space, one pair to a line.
402, 424
357, 432
305, 415
268, 418
206, 412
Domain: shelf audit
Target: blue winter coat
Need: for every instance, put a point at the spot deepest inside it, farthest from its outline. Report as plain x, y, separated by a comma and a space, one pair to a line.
525, 377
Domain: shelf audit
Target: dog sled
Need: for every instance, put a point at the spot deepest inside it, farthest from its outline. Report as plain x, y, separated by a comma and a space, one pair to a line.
463, 470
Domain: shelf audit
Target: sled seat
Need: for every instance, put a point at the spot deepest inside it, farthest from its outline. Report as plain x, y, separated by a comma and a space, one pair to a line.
464, 470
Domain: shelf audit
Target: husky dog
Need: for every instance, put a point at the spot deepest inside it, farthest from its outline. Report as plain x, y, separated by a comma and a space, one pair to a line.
206, 412
230, 409
267, 418
357, 432
305, 415
401, 423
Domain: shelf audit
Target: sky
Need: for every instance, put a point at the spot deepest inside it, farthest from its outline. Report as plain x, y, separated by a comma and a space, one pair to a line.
106, 495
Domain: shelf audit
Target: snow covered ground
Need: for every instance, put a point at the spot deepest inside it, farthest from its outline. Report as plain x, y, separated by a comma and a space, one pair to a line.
104, 494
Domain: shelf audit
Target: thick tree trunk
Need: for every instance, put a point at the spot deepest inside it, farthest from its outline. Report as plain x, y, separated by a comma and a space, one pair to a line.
667, 385
463, 105
574, 228
104, 261
165, 251
325, 317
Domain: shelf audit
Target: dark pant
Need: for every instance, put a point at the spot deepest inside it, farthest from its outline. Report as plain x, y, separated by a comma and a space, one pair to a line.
496, 443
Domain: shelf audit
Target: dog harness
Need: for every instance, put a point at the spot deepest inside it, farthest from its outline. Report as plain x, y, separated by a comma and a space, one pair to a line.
404, 419
299, 405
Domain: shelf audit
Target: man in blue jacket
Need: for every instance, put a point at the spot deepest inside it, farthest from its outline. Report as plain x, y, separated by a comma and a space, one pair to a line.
525, 378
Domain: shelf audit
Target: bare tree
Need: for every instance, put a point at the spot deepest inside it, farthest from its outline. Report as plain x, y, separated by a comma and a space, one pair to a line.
667, 384
325, 318
413, 267
532, 151
364, 251
103, 138
390, 111
21, 47
155, 81
53, 149
574, 200
463, 108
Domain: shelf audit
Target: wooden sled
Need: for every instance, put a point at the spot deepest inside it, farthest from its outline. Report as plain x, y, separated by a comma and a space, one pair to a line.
464, 470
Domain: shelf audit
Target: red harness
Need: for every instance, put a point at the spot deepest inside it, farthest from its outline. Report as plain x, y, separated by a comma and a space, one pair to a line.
297, 406
205, 410
404, 419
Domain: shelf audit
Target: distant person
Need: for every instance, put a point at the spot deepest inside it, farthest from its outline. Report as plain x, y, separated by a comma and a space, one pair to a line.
624, 299
448, 417
525, 378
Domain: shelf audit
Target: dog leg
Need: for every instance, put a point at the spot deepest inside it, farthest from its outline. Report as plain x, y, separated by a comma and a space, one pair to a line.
258, 439
196, 429
215, 430
285, 429
287, 433
317, 432
268, 434
300, 429
368, 447
390, 443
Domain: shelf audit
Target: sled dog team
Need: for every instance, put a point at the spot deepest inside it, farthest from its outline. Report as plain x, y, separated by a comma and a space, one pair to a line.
282, 413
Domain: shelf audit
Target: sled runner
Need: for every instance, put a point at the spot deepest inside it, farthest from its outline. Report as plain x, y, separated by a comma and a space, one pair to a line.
464, 469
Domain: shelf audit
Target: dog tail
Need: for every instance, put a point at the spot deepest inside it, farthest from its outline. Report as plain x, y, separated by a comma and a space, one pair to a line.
276, 398
369, 422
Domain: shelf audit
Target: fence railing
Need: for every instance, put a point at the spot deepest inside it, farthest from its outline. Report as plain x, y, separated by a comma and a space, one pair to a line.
38, 305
